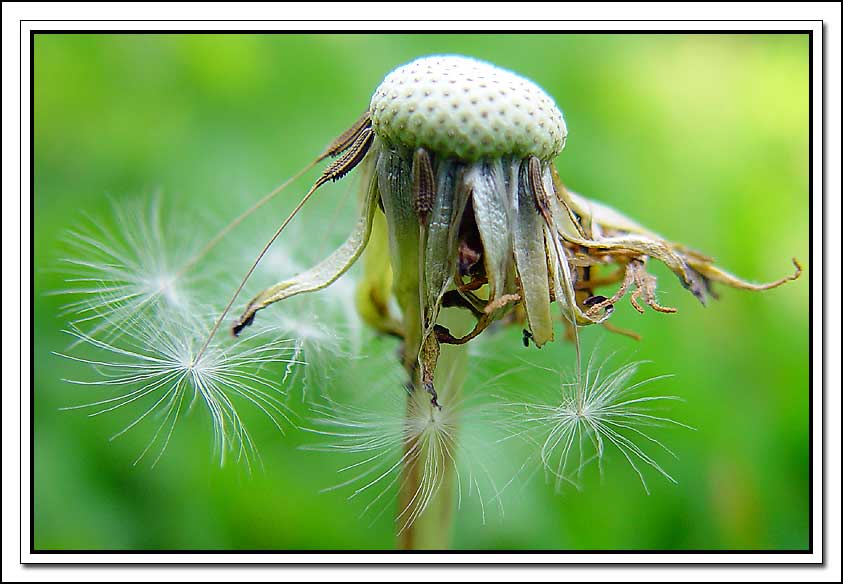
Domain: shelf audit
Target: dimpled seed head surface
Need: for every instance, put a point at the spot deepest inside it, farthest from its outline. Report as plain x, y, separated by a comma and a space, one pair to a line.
457, 106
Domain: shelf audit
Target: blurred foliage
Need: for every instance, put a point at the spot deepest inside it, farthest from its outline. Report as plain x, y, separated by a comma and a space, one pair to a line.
703, 138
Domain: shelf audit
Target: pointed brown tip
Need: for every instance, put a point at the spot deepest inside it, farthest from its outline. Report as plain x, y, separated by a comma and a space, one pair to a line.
242, 323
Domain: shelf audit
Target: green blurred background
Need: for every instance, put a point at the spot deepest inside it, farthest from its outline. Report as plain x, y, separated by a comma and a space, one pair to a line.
703, 138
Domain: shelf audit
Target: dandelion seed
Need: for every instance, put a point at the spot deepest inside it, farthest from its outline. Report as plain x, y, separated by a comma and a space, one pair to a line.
406, 453
326, 327
155, 366
121, 273
320, 345
136, 307
584, 419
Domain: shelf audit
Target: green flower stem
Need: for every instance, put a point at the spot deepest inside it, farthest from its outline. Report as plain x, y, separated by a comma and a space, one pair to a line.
432, 528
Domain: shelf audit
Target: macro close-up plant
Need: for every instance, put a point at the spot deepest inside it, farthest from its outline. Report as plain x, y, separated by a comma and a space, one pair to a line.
463, 351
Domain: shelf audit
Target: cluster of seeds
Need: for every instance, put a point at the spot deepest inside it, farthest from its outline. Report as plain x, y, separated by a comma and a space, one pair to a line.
463, 209
468, 109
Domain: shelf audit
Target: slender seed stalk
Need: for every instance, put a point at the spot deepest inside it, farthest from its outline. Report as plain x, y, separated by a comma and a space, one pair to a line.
222, 233
252, 268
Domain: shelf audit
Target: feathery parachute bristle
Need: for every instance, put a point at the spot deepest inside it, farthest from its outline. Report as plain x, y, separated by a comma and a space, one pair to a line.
388, 437
141, 332
118, 273
581, 421
153, 366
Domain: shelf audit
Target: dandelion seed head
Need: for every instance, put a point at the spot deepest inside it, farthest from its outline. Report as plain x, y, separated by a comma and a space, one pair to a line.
463, 206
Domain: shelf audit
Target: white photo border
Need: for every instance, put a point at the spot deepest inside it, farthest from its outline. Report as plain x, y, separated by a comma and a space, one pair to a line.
820, 217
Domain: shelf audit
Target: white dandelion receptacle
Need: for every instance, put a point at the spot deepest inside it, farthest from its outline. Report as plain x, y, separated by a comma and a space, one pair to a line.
466, 109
